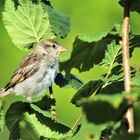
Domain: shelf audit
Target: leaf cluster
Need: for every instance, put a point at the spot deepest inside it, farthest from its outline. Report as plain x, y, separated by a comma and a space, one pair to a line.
103, 101
32, 21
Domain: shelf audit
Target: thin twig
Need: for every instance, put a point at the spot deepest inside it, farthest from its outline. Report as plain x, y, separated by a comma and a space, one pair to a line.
77, 121
126, 62
53, 112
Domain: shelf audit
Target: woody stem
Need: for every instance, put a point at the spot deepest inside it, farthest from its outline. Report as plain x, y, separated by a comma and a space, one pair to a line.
126, 62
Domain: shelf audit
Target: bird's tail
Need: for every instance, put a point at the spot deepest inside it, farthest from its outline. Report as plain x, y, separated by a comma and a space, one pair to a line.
4, 92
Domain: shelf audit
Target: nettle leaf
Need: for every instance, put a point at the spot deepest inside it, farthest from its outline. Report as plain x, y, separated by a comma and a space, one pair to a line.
59, 22
56, 129
89, 131
105, 108
134, 40
71, 81
46, 113
14, 113
90, 48
134, 5
87, 90
116, 73
27, 24
113, 87
111, 53
44, 103
113, 80
29, 127
36, 119
1, 116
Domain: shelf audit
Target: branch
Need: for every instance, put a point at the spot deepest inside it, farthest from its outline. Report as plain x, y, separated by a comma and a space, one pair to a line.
77, 121
126, 62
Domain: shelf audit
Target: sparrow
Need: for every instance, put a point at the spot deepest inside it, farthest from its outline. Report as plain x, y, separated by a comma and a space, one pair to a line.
36, 71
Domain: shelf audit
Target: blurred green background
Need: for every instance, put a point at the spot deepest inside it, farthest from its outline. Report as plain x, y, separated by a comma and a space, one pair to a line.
86, 17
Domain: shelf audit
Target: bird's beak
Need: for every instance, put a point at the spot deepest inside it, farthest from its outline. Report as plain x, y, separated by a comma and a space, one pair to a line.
61, 49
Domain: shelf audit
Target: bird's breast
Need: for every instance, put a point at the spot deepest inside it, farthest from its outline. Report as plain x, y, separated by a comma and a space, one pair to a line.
38, 82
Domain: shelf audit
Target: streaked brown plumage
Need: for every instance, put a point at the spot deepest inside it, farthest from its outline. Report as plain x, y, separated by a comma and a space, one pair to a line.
36, 71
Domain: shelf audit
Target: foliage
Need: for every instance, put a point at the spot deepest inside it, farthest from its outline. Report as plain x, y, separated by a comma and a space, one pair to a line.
33, 22
37, 122
1, 116
103, 101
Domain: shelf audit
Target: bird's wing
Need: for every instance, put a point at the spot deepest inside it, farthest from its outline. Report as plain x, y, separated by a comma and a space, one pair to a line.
29, 66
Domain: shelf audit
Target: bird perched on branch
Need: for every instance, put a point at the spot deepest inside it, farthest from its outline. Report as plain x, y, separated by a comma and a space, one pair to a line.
36, 72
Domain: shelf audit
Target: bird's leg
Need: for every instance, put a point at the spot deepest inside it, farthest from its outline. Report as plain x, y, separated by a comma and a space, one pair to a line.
53, 112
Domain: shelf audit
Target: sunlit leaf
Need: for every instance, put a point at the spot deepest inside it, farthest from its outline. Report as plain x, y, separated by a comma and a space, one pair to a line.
111, 53
1, 116
28, 24
37, 122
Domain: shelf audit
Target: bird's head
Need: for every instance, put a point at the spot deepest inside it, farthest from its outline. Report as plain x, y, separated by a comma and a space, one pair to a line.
51, 48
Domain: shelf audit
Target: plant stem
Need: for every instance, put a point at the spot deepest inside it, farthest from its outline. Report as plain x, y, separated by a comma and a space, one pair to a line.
53, 112
126, 62
77, 121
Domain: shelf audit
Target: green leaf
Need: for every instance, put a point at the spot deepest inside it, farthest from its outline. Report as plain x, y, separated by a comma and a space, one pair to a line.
136, 118
15, 132
89, 131
89, 50
106, 108
116, 74
111, 53
87, 90
136, 79
113, 80
28, 24
56, 128
59, 22
1, 116
113, 87
29, 127
14, 113
36, 120
37, 109
134, 40
71, 81
45, 103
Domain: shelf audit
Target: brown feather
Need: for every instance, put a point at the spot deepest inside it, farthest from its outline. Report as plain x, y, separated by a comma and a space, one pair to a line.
29, 66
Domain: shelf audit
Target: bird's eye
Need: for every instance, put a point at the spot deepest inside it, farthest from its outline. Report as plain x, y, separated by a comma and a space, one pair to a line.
54, 46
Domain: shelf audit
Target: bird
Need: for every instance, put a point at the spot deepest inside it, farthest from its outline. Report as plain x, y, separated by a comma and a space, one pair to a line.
36, 71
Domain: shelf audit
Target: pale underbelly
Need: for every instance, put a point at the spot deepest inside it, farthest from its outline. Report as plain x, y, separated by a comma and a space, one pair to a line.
37, 84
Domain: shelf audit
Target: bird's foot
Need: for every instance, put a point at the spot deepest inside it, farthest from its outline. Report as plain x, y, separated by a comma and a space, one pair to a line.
53, 113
